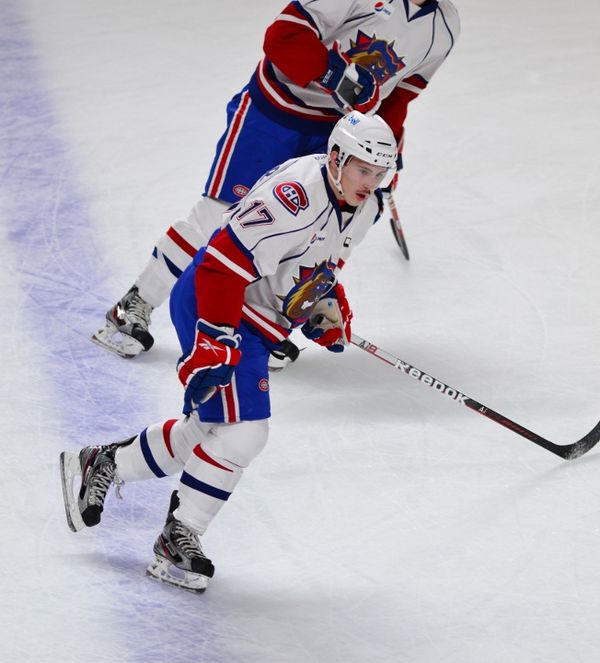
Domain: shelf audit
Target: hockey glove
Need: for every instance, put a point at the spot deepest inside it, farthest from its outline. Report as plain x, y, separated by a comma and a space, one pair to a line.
352, 86
210, 364
329, 323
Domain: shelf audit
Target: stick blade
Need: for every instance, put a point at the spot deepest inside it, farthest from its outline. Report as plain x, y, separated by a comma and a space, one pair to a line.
399, 235
587, 442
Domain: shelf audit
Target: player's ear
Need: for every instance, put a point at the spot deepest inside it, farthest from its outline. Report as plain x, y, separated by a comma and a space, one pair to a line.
334, 161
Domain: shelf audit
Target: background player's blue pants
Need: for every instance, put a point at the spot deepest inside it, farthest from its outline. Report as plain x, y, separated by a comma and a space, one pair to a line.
247, 398
254, 144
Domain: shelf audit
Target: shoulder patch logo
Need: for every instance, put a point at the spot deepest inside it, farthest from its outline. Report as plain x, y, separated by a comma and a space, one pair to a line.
292, 196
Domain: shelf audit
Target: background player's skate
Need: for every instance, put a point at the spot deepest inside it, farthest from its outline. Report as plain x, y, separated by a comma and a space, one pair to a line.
125, 331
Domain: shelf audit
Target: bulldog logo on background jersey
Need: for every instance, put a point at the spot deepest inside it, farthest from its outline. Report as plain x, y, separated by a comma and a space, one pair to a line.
376, 55
292, 196
311, 285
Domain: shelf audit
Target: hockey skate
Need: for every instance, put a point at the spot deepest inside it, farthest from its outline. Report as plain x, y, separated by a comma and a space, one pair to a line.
178, 557
96, 468
125, 331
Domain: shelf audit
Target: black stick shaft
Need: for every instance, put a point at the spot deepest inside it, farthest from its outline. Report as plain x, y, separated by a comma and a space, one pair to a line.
567, 451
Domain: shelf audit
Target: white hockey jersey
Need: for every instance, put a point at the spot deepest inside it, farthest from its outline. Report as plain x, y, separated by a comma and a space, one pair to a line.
402, 44
288, 238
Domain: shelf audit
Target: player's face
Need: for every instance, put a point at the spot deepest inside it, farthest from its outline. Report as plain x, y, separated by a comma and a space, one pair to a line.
360, 179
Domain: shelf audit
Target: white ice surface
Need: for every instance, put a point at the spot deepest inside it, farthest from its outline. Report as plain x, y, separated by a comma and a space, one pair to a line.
382, 522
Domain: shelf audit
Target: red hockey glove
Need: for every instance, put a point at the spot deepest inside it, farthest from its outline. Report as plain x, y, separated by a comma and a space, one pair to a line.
209, 365
329, 323
352, 86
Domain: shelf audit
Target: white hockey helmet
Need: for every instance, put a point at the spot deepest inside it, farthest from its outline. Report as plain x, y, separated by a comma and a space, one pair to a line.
367, 137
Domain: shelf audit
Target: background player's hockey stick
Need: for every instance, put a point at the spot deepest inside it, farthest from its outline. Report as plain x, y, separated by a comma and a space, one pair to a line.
396, 226
567, 451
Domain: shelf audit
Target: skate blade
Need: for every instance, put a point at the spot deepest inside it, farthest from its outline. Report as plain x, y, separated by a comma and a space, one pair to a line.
125, 346
70, 469
162, 570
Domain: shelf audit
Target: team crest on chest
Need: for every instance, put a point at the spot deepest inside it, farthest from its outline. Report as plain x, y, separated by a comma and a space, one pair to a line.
376, 55
292, 196
310, 286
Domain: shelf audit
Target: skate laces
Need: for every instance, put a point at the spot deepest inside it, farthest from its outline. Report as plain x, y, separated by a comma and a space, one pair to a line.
137, 309
186, 540
101, 480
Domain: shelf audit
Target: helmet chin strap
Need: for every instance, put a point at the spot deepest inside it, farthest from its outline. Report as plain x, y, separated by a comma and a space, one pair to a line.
337, 181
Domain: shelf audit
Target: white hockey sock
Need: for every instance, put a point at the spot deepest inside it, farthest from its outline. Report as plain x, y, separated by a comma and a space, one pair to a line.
214, 469
204, 487
160, 450
155, 282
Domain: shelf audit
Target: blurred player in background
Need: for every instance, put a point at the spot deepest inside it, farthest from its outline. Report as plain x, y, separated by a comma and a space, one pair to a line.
272, 267
323, 58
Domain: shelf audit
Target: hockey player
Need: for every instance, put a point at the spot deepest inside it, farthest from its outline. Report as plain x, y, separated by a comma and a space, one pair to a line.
322, 59
271, 268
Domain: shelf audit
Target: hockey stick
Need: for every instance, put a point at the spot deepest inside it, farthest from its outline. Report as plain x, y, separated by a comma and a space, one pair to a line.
566, 451
396, 226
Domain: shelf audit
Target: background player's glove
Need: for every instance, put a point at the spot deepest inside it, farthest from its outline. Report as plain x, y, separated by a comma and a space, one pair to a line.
210, 364
329, 323
352, 86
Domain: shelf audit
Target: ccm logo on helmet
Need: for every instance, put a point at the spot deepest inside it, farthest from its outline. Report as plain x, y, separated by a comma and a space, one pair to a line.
292, 196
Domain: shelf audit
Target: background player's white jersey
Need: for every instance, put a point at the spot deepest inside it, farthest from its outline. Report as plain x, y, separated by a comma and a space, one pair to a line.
402, 44
291, 232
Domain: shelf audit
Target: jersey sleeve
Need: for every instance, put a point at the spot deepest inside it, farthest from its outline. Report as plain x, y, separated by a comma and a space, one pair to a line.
295, 41
394, 107
293, 44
